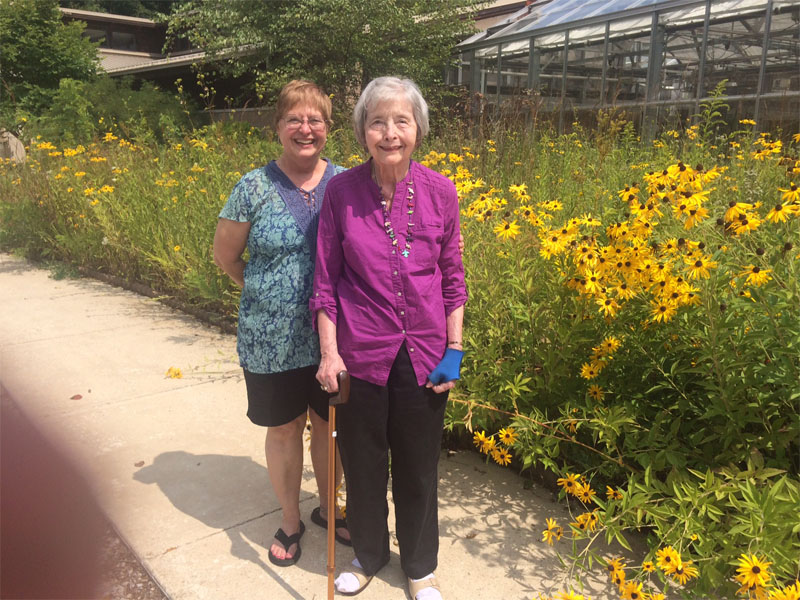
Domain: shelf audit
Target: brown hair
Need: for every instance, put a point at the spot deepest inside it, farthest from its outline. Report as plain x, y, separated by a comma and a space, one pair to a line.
304, 93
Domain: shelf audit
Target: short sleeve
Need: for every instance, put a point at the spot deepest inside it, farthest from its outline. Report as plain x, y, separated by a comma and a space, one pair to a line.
239, 206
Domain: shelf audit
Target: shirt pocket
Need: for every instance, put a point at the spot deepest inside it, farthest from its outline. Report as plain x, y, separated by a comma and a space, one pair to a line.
426, 248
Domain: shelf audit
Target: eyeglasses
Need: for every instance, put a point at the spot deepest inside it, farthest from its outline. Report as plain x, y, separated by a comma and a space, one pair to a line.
314, 124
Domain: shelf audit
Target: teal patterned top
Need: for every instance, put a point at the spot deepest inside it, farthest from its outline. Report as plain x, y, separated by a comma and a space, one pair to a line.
274, 332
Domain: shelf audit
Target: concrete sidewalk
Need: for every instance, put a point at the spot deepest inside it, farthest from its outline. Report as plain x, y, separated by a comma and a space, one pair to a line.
180, 471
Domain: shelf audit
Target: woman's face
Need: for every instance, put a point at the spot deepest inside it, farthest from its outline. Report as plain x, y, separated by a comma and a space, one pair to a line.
303, 133
391, 132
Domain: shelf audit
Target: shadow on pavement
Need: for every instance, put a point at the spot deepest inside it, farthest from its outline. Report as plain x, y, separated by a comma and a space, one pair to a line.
197, 485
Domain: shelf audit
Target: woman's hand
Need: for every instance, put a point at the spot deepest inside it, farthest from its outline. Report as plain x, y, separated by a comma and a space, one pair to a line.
329, 367
331, 363
444, 376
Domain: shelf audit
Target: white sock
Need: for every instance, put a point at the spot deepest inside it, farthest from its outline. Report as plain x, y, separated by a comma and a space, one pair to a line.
347, 582
428, 593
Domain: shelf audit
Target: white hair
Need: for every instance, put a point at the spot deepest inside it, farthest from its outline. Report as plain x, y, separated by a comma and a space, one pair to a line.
388, 88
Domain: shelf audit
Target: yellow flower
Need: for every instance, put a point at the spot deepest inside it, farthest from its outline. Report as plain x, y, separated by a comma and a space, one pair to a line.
684, 571
174, 373
662, 311
570, 595
177, 248
553, 532
698, 267
755, 275
632, 591
790, 194
590, 370
569, 483
585, 493
613, 494
479, 438
596, 392
507, 436
747, 121
506, 230
614, 568
648, 566
80, 174
790, 592
501, 456
753, 571
608, 306
667, 559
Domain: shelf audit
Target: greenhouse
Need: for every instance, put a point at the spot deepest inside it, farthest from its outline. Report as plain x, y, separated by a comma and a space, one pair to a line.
656, 59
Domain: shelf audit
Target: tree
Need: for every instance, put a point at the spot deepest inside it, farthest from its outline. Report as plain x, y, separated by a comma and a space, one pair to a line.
148, 9
339, 44
38, 51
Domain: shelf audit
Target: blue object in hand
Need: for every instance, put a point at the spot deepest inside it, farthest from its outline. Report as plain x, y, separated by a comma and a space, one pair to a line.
449, 368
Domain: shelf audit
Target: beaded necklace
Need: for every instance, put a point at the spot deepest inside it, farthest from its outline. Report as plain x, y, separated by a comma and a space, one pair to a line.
387, 222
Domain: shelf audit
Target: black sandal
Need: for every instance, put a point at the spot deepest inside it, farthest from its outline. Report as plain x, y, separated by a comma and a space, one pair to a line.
316, 518
287, 541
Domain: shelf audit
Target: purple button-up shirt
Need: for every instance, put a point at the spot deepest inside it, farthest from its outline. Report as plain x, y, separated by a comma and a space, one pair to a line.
378, 298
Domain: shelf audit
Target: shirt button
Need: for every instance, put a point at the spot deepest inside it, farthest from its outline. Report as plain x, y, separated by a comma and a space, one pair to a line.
399, 293
410, 349
395, 273
404, 330
392, 251
317, 294
402, 312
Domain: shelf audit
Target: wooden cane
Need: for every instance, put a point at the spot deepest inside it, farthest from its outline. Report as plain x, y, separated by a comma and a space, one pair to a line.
341, 398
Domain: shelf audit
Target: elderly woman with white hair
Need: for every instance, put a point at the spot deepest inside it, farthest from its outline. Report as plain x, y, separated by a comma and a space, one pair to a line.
388, 303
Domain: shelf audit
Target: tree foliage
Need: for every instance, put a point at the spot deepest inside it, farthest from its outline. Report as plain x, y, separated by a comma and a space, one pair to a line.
340, 44
38, 51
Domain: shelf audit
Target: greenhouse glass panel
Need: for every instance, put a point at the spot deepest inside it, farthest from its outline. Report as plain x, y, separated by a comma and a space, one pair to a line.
779, 105
735, 44
682, 47
585, 69
549, 75
514, 68
628, 61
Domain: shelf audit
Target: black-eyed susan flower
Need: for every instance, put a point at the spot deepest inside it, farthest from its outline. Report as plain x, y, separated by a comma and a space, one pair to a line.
553, 532
569, 483
684, 571
613, 494
174, 373
753, 571
632, 590
479, 439
779, 214
648, 566
507, 436
590, 370
790, 592
501, 456
506, 230
662, 311
755, 275
699, 267
615, 568
585, 493
667, 559
570, 595
608, 306
596, 392
790, 194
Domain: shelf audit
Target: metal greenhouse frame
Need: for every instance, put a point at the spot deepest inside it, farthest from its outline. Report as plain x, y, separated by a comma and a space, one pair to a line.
657, 59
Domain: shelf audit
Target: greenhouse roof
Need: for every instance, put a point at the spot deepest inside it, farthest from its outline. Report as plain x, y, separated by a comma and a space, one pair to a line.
544, 17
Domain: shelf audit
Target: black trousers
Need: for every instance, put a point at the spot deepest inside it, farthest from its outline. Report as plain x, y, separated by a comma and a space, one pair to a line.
406, 419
